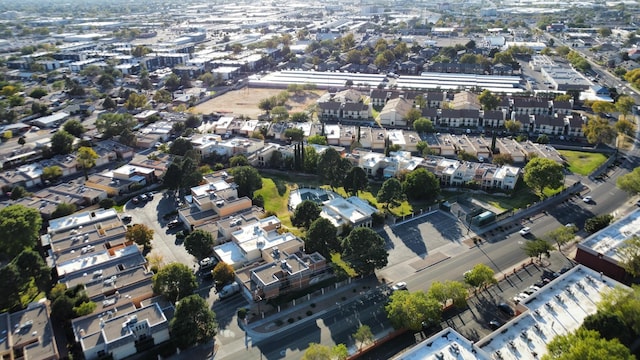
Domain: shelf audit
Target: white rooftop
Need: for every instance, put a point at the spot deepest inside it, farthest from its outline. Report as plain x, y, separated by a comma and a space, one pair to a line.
448, 344
607, 240
557, 309
94, 259
210, 187
80, 219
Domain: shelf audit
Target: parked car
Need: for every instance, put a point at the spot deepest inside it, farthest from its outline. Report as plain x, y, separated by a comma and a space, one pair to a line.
135, 200
174, 223
525, 231
494, 324
520, 297
143, 197
126, 218
399, 286
587, 199
505, 308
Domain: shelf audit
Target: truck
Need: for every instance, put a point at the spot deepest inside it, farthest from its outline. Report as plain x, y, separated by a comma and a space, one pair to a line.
229, 290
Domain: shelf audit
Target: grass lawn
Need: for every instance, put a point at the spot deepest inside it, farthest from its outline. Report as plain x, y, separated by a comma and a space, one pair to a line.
583, 163
276, 199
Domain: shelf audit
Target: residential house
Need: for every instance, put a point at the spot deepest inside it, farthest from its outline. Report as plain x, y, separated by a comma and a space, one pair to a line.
395, 112
465, 100
531, 106
28, 334
458, 118
493, 118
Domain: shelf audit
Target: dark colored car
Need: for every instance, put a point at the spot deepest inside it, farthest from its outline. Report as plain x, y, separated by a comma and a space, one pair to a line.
505, 308
174, 224
494, 324
126, 218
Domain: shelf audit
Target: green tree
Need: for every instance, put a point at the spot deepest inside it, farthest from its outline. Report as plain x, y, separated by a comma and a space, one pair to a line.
279, 113
223, 273
193, 322
600, 107
174, 281
598, 131
630, 182
421, 184
625, 104
74, 127
141, 234
585, 345
305, 213
408, 310
299, 116
18, 192
562, 235
597, 223
480, 276
62, 142
86, 158
180, 146
109, 104
63, 209
317, 139
364, 250
610, 325
322, 237
33, 267
294, 134
238, 160
563, 97
192, 122
541, 173
323, 352
310, 159
355, 180
423, 125
513, 126
453, 291
107, 203
135, 101
363, 335
38, 93
488, 100
390, 193
173, 176
172, 82
537, 248
502, 159
114, 124
19, 229
266, 104
412, 115
248, 180
629, 253
51, 172
625, 127
199, 244
334, 168
162, 96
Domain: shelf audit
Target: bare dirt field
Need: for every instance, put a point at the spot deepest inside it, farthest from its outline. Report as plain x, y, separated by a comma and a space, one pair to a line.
245, 102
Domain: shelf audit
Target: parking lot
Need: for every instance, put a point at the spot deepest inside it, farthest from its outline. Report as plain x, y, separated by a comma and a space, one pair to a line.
164, 244
484, 315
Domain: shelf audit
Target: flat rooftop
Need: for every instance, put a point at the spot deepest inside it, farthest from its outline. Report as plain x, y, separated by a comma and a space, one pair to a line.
32, 329
607, 240
447, 344
556, 309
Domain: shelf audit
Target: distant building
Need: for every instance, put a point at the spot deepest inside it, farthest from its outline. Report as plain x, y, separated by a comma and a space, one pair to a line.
28, 334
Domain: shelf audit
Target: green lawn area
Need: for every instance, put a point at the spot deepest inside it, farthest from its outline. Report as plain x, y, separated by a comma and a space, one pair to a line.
276, 197
582, 163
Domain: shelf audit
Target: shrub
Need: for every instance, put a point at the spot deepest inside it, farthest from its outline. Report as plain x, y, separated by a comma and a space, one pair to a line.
291, 320
107, 203
309, 312
242, 313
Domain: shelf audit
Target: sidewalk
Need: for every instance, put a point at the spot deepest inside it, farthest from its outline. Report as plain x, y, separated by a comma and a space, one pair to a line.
315, 306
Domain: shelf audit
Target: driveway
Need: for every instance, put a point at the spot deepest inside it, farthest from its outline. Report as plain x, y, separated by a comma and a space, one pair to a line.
164, 243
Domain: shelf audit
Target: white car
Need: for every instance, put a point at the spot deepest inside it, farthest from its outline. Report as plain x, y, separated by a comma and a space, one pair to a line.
587, 199
520, 297
525, 231
399, 286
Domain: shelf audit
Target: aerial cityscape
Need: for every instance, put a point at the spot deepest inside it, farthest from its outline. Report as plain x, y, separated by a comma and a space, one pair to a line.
319, 180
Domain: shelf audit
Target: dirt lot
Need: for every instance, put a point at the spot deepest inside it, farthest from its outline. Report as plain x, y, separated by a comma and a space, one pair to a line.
245, 102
